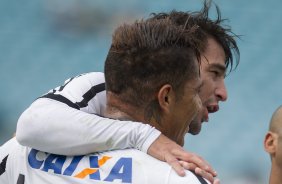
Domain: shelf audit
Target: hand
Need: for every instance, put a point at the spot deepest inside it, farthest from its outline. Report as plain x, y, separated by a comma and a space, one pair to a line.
200, 172
167, 150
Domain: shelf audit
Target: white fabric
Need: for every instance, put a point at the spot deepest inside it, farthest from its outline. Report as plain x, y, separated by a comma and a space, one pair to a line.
120, 166
52, 126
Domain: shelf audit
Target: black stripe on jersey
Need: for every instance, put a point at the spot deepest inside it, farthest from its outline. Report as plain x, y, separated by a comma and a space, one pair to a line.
62, 99
86, 97
3, 165
21, 179
91, 94
200, 178
63, 86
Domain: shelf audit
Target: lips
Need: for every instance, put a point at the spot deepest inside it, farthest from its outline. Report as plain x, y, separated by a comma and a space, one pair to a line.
207, 110
212, 108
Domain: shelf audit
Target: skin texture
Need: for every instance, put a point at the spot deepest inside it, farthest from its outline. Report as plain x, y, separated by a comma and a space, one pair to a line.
180, 111
213, 89
273, 146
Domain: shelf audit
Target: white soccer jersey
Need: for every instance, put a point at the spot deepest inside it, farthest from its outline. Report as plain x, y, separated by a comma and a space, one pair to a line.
23, 165
65, 123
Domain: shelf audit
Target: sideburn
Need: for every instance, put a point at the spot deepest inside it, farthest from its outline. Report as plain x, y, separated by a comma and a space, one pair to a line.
152, 110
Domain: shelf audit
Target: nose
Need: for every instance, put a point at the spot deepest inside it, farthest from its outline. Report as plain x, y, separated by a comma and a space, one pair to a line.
221, 92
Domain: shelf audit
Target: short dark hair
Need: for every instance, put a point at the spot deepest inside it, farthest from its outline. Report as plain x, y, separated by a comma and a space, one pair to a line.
148, 54
206, 28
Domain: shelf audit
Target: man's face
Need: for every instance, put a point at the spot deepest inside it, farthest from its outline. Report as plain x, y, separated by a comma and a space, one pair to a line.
182, 111
213, 90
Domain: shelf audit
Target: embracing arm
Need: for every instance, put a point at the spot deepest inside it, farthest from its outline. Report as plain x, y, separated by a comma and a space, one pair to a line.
64, 122
52, 126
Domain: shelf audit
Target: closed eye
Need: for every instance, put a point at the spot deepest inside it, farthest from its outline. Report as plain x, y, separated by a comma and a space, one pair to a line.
218, 70
216, 73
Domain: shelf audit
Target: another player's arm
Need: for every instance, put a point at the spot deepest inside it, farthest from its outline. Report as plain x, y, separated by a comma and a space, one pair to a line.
60, 128
64, 121
54, 127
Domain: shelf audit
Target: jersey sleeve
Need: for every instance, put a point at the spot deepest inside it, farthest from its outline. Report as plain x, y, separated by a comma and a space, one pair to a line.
3, 162
5, 151
64, 121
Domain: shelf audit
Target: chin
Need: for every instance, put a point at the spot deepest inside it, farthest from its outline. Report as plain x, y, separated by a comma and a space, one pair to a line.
180, 142
195, 130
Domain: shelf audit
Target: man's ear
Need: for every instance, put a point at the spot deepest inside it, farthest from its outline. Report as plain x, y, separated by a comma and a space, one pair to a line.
270, 142
165, 97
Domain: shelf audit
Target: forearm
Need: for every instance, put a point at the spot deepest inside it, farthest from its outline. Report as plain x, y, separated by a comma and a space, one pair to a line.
52, 126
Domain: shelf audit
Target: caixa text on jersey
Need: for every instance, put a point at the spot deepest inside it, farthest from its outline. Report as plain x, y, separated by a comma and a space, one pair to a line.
83, 167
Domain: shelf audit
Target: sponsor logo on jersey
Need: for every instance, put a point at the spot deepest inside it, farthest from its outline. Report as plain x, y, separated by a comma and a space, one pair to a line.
70, 166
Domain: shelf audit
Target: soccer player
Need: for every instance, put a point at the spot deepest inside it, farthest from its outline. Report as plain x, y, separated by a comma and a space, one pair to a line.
273, 146
152, 75
66, 115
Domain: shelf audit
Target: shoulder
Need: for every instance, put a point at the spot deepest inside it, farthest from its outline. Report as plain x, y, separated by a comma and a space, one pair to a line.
190, 177
97, 77
11, 158
85, 79
137, 167
156, 171
9, 146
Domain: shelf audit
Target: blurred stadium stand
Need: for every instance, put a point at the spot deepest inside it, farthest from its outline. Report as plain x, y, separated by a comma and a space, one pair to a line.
44, 42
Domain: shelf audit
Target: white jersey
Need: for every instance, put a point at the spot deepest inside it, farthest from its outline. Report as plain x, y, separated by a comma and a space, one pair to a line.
64, 121
23, 165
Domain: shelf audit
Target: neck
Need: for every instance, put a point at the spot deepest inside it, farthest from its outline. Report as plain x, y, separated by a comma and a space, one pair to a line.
117, 109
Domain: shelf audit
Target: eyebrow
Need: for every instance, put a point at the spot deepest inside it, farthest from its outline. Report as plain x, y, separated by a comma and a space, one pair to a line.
217, 66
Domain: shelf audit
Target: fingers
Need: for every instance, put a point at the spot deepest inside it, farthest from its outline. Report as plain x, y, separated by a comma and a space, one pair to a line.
188, 166
204, 174
216, 181
197, 170
177, 167
175, 164
166, 150
196, 160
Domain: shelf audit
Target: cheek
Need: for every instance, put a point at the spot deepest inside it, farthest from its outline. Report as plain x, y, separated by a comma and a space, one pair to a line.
207, 90
195, 105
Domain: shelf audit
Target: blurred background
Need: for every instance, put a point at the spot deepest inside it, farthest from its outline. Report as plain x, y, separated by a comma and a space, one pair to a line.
44, 42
